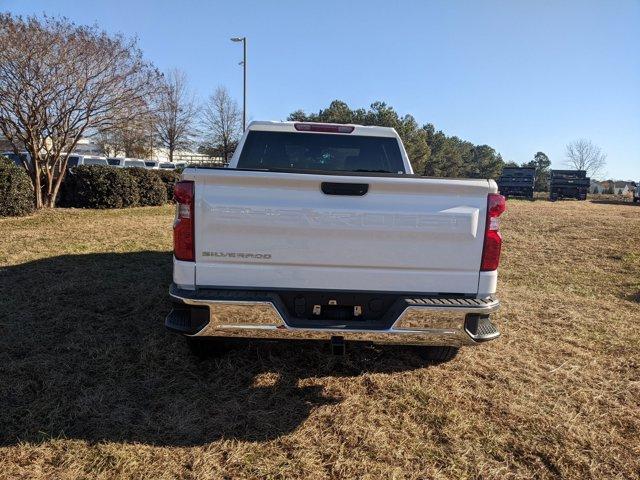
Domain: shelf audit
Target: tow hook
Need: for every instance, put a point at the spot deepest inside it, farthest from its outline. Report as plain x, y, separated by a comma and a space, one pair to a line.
337, 345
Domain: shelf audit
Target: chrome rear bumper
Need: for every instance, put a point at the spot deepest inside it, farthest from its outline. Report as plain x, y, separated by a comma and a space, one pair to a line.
421, 321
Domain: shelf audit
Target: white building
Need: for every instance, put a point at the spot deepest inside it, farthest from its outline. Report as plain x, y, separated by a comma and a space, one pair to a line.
619, 187
87, 146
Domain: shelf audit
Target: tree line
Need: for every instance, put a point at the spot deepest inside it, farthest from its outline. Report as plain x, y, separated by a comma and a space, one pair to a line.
60, 82
432, 153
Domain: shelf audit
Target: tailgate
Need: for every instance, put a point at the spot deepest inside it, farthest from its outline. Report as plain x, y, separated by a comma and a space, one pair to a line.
280, 231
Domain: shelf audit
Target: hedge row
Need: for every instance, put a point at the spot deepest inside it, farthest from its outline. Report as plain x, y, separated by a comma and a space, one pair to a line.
16, 193
97, 186
169, 178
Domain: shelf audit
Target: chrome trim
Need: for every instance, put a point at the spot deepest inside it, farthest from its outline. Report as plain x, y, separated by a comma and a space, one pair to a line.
416, 325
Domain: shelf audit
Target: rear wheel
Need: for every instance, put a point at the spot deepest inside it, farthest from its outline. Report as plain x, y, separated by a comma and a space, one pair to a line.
207, 347
437, 354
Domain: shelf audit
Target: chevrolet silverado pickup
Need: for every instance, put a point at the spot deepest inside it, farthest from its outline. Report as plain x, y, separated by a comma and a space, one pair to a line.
322, 231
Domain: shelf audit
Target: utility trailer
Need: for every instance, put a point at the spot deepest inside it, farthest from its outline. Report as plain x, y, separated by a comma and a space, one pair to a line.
568, 184
517, 182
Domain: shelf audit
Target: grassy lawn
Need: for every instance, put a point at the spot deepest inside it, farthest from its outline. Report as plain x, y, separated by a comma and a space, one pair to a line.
92, 386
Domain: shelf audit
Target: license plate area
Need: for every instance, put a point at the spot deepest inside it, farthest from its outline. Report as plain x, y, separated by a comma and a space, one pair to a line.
339, 312
329, 309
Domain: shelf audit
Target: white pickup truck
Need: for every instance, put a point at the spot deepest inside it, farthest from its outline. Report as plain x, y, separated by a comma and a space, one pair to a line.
322, 231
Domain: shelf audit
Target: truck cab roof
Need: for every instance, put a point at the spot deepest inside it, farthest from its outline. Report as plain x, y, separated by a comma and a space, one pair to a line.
342, 144
362, 130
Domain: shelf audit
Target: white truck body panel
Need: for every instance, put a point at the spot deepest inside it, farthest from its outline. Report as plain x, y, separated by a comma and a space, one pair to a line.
331, 238
258, 229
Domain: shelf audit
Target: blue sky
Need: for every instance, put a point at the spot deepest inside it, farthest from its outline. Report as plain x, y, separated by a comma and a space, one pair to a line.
521, 76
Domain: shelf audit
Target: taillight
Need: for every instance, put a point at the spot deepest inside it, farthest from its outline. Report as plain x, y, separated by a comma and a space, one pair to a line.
492, 239
183, 232
320, 127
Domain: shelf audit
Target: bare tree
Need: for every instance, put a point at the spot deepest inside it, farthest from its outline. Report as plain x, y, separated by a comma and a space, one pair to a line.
134, 137
176, 113
59, 81
582, 154
222, 122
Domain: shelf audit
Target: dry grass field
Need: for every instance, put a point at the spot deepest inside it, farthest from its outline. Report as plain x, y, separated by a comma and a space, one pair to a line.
91, 386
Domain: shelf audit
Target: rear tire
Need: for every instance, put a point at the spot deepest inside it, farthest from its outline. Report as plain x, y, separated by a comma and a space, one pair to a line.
437, 354
206, 347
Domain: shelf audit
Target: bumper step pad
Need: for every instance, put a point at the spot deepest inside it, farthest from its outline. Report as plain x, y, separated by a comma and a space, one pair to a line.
480, 328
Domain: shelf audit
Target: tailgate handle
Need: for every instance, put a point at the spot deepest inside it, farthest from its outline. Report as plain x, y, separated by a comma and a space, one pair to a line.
351, 189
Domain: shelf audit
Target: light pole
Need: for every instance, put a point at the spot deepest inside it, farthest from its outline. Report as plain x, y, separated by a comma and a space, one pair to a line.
244, 78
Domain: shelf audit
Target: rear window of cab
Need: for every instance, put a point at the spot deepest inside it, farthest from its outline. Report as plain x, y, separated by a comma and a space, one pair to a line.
320, 152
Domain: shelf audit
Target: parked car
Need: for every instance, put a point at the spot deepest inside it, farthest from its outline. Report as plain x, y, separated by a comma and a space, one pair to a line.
152, 164
17, 159
116, 161
321, 231
181, 165
75, 160
167, 166
636, 193
133, 162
